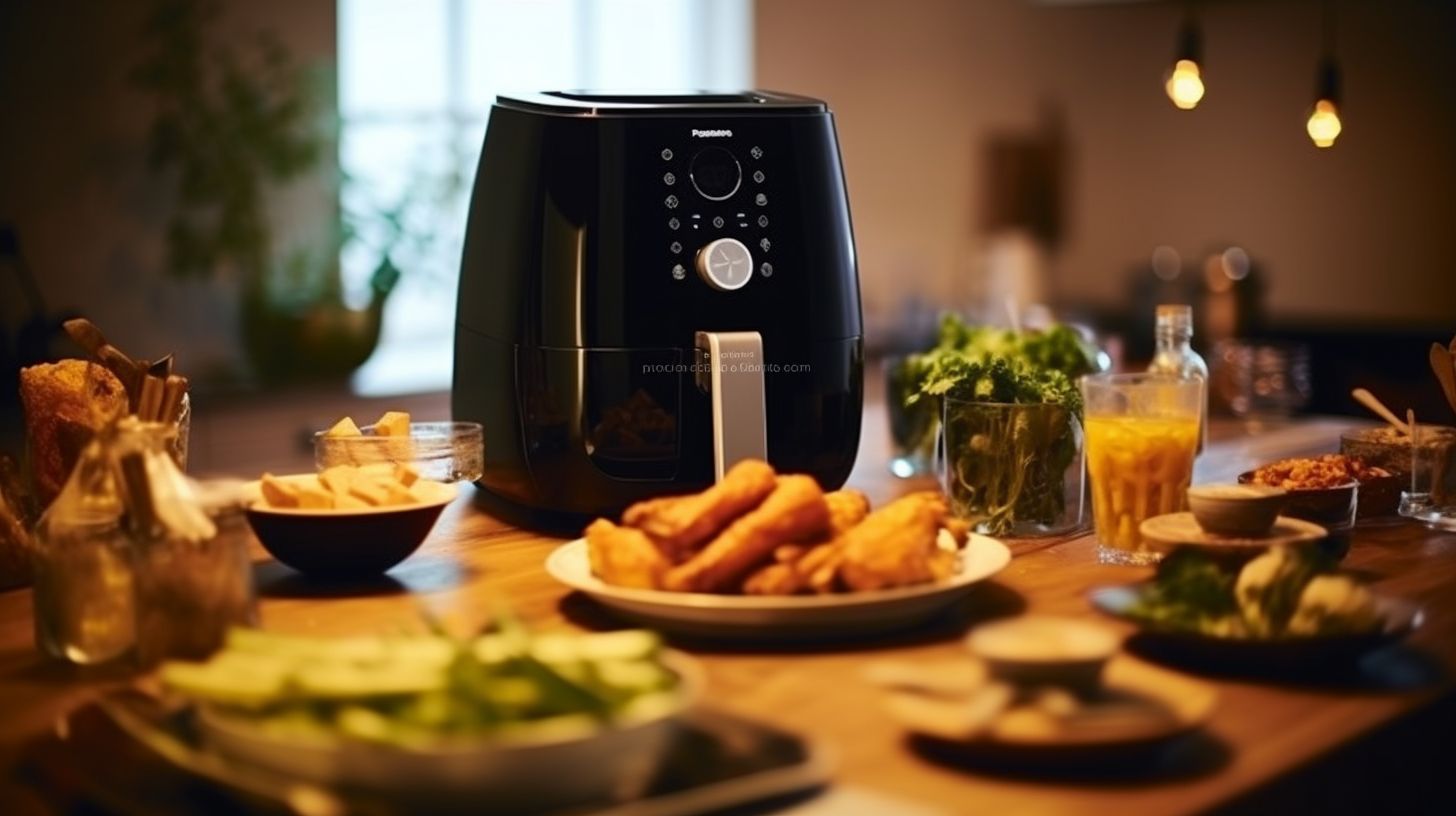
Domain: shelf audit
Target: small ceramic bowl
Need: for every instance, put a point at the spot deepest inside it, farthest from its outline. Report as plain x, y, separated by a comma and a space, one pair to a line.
442, 451
345, 543
1247, 510
1332, 507
1035, 650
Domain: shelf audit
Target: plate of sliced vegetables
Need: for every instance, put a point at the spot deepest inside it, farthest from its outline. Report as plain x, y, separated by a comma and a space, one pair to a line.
502, 714
1288, 608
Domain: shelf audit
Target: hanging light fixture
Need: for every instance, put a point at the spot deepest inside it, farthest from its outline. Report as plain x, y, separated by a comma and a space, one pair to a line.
1184, 82
1324, 124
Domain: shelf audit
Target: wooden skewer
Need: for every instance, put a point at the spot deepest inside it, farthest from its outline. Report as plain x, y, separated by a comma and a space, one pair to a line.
1410, 418
151, 401
1367, 399
173, 389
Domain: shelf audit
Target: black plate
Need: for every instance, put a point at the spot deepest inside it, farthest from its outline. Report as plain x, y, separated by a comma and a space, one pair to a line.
1401, 618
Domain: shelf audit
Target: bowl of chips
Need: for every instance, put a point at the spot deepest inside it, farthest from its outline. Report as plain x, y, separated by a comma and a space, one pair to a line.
346, 521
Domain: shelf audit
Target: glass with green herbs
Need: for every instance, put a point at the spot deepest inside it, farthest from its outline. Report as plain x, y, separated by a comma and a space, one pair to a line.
913, 425
1013, 469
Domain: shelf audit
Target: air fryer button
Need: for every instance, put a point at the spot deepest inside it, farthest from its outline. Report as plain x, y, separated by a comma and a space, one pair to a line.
715, 173
725, 264
678, 272
766, 269
764, 245
676, 246
669, 179
760, 199
673, 223
763, 220
756, 152
667, 154
718, 222
757, 175
671, 202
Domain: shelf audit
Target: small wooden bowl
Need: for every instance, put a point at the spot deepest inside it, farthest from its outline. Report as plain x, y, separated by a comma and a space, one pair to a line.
1236, 509
346, 543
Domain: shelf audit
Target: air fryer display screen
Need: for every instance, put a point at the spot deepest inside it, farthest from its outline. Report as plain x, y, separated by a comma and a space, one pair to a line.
716, 173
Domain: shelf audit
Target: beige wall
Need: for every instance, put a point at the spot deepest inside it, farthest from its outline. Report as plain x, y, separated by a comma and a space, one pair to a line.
1361, 232
73, 173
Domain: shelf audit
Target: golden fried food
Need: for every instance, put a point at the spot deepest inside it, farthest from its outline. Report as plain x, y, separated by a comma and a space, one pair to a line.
680, 524
847, 508
959, 529
895, 545
65, 403
778, 578
794, 510
786, 553
623, 556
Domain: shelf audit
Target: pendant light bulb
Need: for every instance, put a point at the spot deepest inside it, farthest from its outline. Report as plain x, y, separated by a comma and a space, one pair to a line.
1184, 83
1323, 125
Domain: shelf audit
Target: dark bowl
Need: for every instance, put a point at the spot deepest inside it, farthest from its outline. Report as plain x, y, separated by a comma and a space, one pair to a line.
1380, 496
1332, 507
347, 543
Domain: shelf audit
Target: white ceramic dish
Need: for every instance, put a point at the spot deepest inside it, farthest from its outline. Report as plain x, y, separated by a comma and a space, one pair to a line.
515, 770
770, 616
1044, 649
1181, 704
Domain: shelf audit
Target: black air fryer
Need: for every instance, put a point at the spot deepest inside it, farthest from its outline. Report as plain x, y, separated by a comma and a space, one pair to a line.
652, 288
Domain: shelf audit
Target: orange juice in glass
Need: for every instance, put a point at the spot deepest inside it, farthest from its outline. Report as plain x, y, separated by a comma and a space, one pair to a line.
1141, 439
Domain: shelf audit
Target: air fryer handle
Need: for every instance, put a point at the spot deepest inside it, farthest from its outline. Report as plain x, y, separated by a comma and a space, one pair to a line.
730, 370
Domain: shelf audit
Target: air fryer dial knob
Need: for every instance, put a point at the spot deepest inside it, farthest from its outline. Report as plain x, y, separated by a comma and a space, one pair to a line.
725, 264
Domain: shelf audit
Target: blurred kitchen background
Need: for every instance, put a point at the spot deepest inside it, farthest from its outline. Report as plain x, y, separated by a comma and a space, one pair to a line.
275, 189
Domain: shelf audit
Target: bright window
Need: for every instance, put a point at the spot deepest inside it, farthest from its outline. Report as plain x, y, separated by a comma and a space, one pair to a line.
416, 81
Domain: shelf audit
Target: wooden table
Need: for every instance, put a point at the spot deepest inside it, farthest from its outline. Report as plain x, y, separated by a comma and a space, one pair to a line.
1349, 744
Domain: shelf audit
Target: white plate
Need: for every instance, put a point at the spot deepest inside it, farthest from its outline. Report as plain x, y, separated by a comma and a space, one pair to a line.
769, 616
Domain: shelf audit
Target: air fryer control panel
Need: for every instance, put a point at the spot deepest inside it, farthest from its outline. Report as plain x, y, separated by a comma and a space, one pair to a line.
716, 206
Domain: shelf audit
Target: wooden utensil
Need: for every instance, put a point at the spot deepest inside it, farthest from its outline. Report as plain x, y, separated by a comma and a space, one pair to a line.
173, 389
1445, 368
148, 410
1367, 399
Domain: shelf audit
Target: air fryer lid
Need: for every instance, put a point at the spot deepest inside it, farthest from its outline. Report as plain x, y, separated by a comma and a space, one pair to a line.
589, 103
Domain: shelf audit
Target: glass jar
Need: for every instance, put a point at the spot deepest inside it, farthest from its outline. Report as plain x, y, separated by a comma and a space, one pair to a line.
194, 578
84, 595
1013, 469
914, 428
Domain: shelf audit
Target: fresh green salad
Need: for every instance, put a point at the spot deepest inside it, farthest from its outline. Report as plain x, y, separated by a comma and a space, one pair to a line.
1005, 469
417, 690
1282, 593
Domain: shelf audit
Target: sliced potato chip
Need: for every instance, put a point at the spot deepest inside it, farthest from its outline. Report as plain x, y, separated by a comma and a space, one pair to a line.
392, 423
344, 427
278, 493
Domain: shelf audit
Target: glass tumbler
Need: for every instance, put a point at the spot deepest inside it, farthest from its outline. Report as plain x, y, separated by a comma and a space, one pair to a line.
1142, 438
913, 428
1013, 469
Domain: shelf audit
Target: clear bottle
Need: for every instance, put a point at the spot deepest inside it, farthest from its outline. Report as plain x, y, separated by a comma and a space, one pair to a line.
1175, 355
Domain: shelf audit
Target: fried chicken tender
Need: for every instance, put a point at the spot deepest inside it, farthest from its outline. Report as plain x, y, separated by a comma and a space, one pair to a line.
680, 524
624, 556
820, 566
778, 578
895, 545
794, 510
846, 508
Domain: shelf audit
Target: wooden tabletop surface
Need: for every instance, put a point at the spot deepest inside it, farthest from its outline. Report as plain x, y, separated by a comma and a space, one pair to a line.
1282, 741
